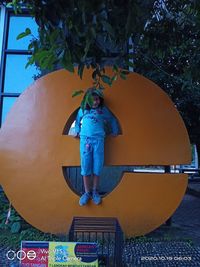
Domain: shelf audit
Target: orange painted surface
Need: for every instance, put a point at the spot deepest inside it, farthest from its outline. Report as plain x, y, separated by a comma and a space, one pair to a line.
33, 151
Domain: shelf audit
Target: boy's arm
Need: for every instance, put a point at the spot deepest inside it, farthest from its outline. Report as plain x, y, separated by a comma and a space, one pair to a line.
78, 122
112, 121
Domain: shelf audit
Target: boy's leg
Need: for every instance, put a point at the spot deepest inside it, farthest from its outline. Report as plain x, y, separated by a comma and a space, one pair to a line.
95, 195
86, 168
86, 182
86, 196
86, 161
95, 182
98, 159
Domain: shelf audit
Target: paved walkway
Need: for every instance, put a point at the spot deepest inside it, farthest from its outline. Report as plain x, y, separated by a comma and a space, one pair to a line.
175, 245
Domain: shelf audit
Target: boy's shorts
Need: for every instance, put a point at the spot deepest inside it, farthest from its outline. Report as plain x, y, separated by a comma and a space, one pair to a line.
92, 155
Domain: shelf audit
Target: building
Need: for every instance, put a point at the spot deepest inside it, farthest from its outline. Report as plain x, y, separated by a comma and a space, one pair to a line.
14, 77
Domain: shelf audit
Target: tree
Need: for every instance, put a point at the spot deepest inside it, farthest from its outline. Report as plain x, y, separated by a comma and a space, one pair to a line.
169, 54
85, 33
165, 36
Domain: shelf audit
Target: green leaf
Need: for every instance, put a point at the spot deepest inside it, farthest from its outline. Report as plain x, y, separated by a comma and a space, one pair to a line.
31, 61
15, 5
40, 55
67, 61
80, 69
53, 36
93, 65
31, 45
108, 28
15, 228
94, 74
86, 49
115, 68
93, 32
126, 72
24, 34
48, 62
130, 64
114, 78
77, 92
10, 4
89, 100
106, 79
15, 218
44, 58
123, 76
83, 104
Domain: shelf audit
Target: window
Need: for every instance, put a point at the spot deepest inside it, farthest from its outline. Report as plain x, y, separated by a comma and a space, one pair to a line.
17, 78
14, 77
18, 24
7, 104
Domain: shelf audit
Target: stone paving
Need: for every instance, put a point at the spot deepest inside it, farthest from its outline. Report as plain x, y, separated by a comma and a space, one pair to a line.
161, 253
175, 245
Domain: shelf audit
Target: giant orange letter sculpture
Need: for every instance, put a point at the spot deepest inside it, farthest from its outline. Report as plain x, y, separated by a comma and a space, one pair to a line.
33, 151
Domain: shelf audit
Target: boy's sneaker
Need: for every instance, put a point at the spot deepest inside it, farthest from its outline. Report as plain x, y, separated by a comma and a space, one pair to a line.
96, 198
84, 199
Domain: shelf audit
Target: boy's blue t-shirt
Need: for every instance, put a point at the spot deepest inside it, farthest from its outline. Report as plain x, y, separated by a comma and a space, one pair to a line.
91, 123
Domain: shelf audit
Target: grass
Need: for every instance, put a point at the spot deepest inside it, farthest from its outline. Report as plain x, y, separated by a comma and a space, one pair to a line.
13, 240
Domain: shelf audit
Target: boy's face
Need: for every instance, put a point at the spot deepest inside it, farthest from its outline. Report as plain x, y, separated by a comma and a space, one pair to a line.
96, 101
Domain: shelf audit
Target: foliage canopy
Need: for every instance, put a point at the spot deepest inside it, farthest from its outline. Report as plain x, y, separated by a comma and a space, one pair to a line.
158, 38
85, 34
